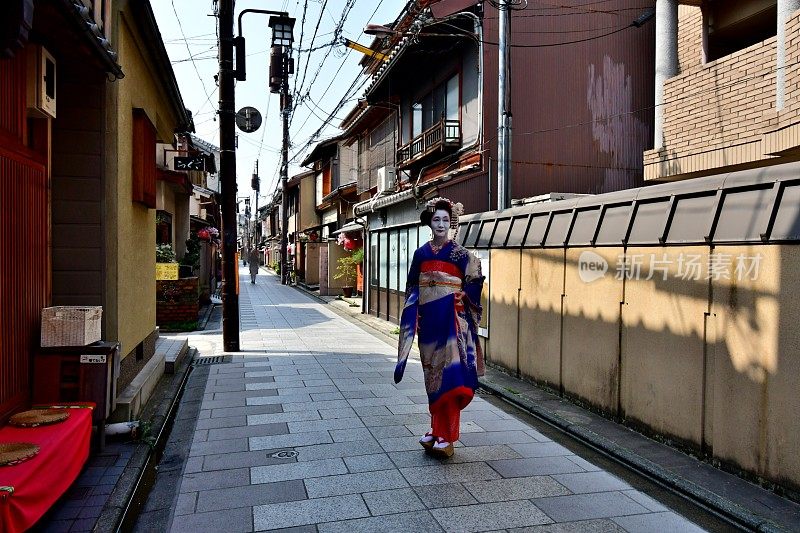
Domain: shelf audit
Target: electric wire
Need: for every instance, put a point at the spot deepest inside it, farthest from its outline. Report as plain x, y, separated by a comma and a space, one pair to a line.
183, 35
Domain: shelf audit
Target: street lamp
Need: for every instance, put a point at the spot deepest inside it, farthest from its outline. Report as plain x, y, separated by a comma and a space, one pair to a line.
282, 30
227, 136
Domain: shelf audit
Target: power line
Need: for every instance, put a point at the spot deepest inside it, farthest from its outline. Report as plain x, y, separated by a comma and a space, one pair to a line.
180, 27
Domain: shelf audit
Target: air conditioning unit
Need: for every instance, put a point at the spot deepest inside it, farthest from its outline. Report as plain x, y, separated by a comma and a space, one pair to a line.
41, 83
386, 178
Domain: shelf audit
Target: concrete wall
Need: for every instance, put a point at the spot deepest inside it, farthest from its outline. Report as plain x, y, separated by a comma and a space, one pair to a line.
706, 357
334, 253
308, 204
130, 281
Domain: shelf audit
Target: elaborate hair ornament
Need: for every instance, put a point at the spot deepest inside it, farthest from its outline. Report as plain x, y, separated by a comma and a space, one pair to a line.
456, 209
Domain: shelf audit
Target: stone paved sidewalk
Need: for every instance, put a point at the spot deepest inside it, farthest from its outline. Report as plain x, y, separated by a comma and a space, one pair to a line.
305, 429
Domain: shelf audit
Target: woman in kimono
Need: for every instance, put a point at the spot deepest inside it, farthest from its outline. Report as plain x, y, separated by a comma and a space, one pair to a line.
253, 258
443, 296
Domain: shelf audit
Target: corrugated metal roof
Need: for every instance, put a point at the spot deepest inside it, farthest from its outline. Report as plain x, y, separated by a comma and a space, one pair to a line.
755, 205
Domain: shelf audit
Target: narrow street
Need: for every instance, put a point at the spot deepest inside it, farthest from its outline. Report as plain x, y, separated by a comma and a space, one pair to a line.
305, 429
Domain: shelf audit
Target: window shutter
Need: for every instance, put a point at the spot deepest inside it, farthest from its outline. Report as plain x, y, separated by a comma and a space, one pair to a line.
143, 171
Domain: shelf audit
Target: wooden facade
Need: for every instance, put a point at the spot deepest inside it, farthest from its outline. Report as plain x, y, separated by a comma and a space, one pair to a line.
24, 217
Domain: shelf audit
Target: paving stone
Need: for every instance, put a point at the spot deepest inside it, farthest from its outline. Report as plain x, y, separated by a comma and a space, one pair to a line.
489, 438
535, 466
345, 412
244, 411
409, 408
354, 483
662, 522
368, 463
290, 407
351, 435
396, 420
309, 512
298, 470
274, 400
591, 482
448, 473
358, 394
585, 506
463, 455
259, 430
283, 491
540, 449
227, 422
230, 521
219, 446
294, 416
399, 444
337, 449
584, 526
583, 463
324, 425
326, 396
393, 501
382, 432
290, 440
515, 489
186, 503
227, 461
488, 516
215, 480
370, 402
645, 500
404, 522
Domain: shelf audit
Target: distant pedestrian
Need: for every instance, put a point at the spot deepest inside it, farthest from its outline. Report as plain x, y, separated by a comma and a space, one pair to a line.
253, 258
443, 304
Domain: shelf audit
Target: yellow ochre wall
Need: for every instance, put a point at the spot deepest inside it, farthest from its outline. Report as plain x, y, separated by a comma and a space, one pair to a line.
711, 363
130, 240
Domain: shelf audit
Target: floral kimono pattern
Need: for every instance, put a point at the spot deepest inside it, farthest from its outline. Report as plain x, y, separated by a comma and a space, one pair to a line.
447, 330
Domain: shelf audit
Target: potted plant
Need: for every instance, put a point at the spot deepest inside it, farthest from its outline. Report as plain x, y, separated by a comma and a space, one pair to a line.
346, 271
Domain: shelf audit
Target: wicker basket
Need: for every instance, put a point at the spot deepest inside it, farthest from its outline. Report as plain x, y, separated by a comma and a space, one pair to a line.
71, 326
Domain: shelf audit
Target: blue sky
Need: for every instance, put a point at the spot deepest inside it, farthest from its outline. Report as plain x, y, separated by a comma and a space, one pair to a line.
323, 75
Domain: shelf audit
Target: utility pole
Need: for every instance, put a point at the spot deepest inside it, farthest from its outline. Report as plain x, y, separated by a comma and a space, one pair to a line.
286, 109
227, 171
504, 106
256, 185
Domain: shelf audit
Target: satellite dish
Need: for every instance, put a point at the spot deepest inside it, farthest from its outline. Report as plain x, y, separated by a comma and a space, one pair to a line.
248, 119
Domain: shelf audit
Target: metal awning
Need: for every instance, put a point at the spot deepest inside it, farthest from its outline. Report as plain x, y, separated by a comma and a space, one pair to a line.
350, 226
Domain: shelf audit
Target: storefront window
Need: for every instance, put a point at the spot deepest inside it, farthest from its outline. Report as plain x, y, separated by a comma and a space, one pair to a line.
373, 259
393, 264
403, 267
383, 261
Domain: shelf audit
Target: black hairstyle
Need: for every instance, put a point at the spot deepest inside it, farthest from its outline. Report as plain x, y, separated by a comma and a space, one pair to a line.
426, 216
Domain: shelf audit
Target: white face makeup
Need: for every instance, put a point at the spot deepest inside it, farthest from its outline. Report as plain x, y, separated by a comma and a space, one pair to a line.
440, 224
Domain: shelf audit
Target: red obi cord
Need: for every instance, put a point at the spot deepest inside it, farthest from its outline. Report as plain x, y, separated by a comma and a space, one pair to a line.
446, 412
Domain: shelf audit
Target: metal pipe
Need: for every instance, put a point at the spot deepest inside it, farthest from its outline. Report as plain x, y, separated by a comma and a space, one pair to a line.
227, 176
504, 107
666, 60
786, 8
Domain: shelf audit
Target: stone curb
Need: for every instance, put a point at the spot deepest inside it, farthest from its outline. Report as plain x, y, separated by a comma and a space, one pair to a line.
159, 411
711, 500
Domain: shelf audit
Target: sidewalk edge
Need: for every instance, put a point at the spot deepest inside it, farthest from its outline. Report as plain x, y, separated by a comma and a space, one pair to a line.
711, 500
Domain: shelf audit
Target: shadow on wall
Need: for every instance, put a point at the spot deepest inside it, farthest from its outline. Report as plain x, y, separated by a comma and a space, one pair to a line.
693, 343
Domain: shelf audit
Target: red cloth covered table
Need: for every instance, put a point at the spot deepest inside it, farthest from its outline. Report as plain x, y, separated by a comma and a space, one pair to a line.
41, 480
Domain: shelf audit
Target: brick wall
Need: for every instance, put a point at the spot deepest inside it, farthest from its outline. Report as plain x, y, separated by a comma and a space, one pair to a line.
722, 102
690, 37
177, 303
719, 114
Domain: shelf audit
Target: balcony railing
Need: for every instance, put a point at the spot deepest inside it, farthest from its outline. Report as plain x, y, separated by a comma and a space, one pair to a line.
445, 133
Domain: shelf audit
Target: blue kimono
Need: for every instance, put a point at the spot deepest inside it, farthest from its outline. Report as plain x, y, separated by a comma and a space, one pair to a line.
447, 327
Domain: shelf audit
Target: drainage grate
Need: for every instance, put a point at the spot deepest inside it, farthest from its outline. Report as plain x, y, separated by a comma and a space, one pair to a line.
285, 454
213, 360
482, 392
